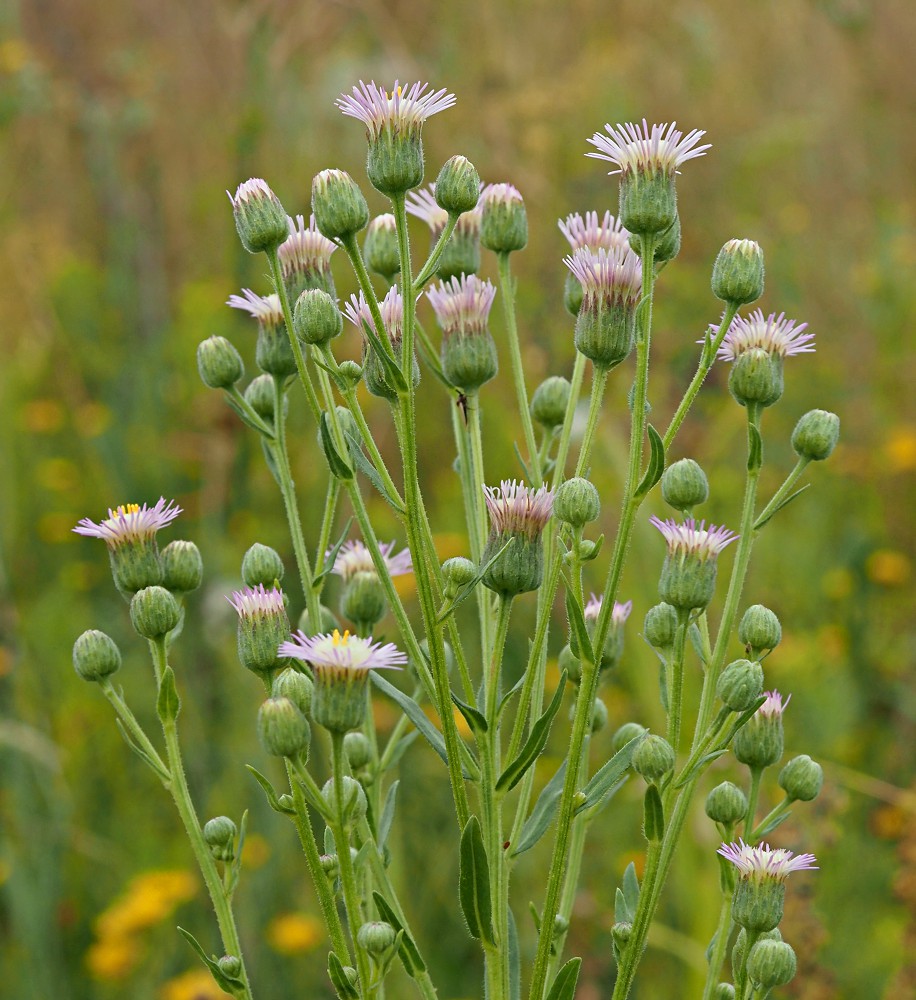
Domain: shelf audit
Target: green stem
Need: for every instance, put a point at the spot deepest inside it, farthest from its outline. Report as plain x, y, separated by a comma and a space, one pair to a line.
429, 268
327, 524
773, 814
782, 492
250, 413
720, 946
476, 483
753, 795
130, 723
599, 383
676, 682
578, 374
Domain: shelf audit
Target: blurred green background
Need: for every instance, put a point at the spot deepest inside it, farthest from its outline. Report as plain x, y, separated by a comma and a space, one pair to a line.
123, 125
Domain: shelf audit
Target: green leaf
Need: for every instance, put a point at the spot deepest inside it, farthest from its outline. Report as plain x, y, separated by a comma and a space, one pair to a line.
580, 640
537, 740
605, 800
622, 914
392, 370
235, 869
407, 950
526, 472
330, 558
656, 462
609, 774
754, 448
515, 962
246, 419
465, 592
338, 977
631, 889
742, 719
168, 704
514, 690
338, 466
416, 715
564, 986
783, 503
542, 815
371, 473
162, 773
472, 716
229, 984
270, 460
384, 827
653, 814
401, 748
696, 640
474, 883
268, 791
707, 758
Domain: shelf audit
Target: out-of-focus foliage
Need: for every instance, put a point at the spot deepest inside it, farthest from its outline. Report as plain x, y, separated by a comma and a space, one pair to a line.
123, 124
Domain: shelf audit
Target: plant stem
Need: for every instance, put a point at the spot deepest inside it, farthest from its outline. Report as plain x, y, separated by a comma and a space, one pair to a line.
559, 469
717, 955
782, 492
599, 383
676, 682
753, 795
429, 268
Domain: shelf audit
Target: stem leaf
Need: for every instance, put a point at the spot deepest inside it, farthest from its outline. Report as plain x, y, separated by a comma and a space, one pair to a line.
631, 889
271, 461
763, 830
407, 950
782, 503
564, 986
384, 826
339, 468
246, 419
606, 777
345, 990
474, 883
580, 641
162, 773
474, 718
168, 704
331, 557
707, 758
269, 791
393, 373
465, 592
534, 745
754, 448
229, 984
656, 462
542, 815
515, 962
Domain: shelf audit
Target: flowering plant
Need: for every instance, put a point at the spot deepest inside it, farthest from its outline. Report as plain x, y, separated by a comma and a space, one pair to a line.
527, 541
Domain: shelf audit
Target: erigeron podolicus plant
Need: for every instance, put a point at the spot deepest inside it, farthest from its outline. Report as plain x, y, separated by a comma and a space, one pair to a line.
528, 542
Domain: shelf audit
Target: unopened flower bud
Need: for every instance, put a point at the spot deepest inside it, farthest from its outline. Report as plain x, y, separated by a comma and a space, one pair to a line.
737, 275
739, 949
573, 294
653, 758
296, 686
726, 804
339, 206
688, 577
457, 572
684, 485
815, 435
350, 371
424, 648
504, 227
756, 378
154, 612
182, 567
219, 834
771, 964
622, 932
740, 684
376, 938
95, 656
327, 624
568, 661
457, 186
261, 222
283, 730
723, 991
316, 318
230, 965
627, 732
262, 626
759, 630
363, 600
549, 402
220, 365
358, 750
262, 565
599, 716
576, 502
801, 778
353, 798
380, 247
329, 865
260, 397
667, 244
759, 743
660, 626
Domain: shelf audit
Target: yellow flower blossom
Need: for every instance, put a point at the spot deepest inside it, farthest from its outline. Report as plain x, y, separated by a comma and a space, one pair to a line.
292, 933
197, 984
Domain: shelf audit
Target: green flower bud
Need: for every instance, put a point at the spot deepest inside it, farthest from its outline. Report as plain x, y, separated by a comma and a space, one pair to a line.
262, 565
219, 834
726, 804
316, 318
327, 624
282, 729
770, 964
816, 434
353, 798
801, 778
684, 485
230, 965
376, 378
394, 164
469, 361
154, 612
758, 905
621, 932
329, 865
424, 647
457, 572
380, 247
273, 352
737, 275
628, 731
568, 661
262, 626
504, 227
572, 294
667, 244
220, 365
653, 758
688, 578
740, 684
260, 220
358, 750
759, 743
351, 372
457, 187
376, 938
756, 378
519, 568
260, 397
739, 950
296, 686
576, 502
549, 402
759, 630
182, 567
723, 991
660, 626
648, 202
339, 206
599, 716
95, 656
363, 601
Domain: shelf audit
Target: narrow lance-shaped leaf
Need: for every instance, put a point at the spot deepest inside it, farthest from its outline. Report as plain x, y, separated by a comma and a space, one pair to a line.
564, 986
474, 883
537, 740
607, 776
542, 815
656, 462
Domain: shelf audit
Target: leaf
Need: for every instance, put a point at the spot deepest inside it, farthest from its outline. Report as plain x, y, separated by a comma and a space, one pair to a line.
605, 801
229, 984
707, 758
168, 704
771, 826
271, 461
392, 371
472, 716
609, 774
783, 503
515, 962
564, 986
331, 555
384, 827
465, 592
407, 950
581, 642
696, 640
542, 815
235, 869
653, 815
269, 791
516, 687
371, 473
537, 740
141, 753
631, 889
416, 715
622, 914
526, 472
474, 883
246, 418
401, 747
339, 468
742, 719
345, 990
656, 462
754, 448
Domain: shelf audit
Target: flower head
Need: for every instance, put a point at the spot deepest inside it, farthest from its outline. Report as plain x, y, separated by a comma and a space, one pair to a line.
462, 305
130, 523
259, 216
266, 309
765, 863
258, 602
305, 258
504, 222
404, 110
607, 234
336, 655
262, 626
774, 706
353, 557
694, 539
516, 509
391, 307
619, 615
774, 334
660, 149
500, 194
611, 276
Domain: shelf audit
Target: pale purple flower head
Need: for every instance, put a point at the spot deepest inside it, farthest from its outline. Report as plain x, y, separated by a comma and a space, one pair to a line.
266, 309
763, 863
612, 277
516, 509
403, 111
258, 602
639, 149
774, 334
306, 249
333, 655
353, 557
694, 539
462, 305
607, 234
619, 615
130, 523
773, 706
422, 204
253, 190
391, 307
500, 194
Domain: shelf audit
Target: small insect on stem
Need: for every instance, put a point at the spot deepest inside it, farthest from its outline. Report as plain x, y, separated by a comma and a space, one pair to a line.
462, 403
